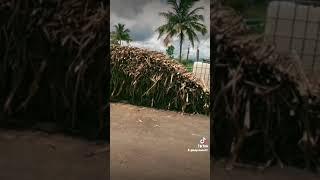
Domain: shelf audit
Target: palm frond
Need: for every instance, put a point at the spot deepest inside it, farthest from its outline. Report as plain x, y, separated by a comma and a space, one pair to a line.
161, 30
187, 4
194, 11
182, 21
167, 15
196, 17
174, 4
199, 27
190, 35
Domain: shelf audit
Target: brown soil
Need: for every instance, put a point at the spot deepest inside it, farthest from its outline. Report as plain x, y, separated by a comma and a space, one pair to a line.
26, 155
153, 144
145, 144
142, 150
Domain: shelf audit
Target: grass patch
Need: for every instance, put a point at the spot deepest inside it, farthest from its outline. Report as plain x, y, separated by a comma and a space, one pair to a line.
188, 64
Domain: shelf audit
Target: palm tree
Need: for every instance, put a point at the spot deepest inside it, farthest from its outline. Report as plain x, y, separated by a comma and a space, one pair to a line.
120, 34
182, 21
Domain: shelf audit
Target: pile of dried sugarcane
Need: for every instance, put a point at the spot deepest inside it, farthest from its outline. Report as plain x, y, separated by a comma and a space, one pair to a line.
53, 63
264, 110
149, 78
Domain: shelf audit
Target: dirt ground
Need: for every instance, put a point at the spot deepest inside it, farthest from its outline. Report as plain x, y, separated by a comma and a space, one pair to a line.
145, 144
27, 155
152, 144
275, 173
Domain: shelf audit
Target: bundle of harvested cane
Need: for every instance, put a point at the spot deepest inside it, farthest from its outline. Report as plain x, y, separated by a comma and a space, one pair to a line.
264, 110
53, 63
150, 78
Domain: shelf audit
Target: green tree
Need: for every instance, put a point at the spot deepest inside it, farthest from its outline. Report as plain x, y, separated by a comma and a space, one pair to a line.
170, 51
120, 34
182, 21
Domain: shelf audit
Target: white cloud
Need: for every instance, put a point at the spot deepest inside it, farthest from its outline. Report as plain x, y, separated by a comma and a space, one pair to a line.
153, 44
143, 21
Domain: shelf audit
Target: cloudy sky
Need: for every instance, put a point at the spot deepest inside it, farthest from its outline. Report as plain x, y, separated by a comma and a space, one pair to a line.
141, 17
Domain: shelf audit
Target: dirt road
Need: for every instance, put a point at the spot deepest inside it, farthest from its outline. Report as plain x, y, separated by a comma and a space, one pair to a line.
145, 144
153, 144
26, 155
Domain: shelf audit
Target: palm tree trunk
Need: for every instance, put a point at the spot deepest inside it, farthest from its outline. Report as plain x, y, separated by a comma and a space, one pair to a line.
180, 46
188, 53
198, 54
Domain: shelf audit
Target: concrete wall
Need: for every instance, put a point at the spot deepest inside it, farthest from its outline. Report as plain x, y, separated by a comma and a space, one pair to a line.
202, 71
295, 27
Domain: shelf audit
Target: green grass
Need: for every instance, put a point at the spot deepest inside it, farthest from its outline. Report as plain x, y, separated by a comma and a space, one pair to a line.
187, 64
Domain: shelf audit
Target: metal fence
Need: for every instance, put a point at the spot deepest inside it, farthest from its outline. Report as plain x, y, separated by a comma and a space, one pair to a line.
294, 26
201, 69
